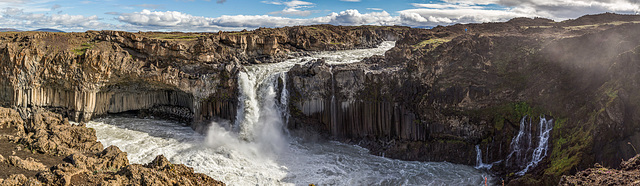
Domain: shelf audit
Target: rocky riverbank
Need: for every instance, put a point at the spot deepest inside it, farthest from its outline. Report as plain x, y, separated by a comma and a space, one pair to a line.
47, 149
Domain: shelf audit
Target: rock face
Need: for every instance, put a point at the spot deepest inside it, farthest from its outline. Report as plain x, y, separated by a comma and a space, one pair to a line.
85, 162
629, 174
441, 92
189, 77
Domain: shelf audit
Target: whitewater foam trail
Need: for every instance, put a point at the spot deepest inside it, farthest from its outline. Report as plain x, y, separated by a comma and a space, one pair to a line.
256, 150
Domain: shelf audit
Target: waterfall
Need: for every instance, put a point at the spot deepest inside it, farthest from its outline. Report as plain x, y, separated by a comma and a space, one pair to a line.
256, 151
543, 145
523, 154
261, 115
333, 109
479, 163
284, 98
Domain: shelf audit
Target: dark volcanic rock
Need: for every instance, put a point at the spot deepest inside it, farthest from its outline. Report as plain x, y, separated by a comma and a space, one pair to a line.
441, 92
187, 77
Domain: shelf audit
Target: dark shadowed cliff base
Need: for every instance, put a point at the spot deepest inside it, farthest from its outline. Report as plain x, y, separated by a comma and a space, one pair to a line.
443, 94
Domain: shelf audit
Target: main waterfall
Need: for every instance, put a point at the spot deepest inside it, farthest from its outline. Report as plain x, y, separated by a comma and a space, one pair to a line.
257, 150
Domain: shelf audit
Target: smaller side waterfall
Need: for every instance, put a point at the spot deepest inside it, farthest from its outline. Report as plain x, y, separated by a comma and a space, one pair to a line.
524, 154
479, 163
543, 144
334, 109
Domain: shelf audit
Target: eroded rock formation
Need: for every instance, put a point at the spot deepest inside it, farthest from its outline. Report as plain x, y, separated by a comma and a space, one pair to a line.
440, 92
49, 136
189, 77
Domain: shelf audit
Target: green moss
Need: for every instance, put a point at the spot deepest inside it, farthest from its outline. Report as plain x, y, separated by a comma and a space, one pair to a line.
486, 140
498, 123
82, 48
432, 43
510, 112
568, 145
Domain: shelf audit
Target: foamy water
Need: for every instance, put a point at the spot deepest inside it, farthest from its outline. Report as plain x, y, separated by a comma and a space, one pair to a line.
257, 149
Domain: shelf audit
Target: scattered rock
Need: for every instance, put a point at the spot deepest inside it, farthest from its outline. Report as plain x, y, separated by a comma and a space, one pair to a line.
628, 174
29, 163
86, 163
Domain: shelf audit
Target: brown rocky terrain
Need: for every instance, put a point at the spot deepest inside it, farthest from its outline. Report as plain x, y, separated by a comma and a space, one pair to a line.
628, 174
47, 149
433, 97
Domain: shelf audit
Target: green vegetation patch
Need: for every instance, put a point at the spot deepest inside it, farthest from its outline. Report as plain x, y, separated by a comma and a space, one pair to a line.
568, 148
615, 23
82, 48
431, 43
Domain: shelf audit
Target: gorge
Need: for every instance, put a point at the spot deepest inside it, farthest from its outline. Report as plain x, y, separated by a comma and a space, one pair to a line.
533, 98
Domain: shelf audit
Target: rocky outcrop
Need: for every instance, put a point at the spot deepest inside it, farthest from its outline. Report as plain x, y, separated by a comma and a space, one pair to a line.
628, 174
188, 77
441, 92
85, 162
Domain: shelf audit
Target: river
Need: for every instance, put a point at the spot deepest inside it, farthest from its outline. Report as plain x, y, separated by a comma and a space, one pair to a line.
258, 150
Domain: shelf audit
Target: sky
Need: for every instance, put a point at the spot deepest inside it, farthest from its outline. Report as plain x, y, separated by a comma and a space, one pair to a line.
233, 15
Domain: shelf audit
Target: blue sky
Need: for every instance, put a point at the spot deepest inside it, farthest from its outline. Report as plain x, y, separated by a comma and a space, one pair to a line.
214, 15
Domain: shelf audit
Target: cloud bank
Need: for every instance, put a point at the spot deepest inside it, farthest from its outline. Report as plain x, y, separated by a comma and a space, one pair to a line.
22, 15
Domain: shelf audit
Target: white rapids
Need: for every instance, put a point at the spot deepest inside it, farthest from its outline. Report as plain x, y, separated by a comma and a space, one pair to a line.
257, 150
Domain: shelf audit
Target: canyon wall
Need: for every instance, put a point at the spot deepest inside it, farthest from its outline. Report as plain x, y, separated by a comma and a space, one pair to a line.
439, 93
189, 77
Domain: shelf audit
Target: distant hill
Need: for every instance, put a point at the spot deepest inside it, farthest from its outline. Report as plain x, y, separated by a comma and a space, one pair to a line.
9, 30
48, 30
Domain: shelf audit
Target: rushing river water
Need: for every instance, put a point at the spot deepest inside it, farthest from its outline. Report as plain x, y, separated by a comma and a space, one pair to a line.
257, 150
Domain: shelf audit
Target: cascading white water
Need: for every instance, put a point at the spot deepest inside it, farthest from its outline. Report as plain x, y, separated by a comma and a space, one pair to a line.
479, 163
543, 144
255, 150
523, 153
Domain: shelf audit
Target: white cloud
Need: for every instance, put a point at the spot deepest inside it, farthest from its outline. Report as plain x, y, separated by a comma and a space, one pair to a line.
554, 9
353, 17
293, 7
163, 19
445, 6
171, 20
28, 15
16, 18
446, 16
11, 11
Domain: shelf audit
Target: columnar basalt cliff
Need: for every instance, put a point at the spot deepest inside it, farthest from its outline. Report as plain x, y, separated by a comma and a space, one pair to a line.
189, 77
441, 92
